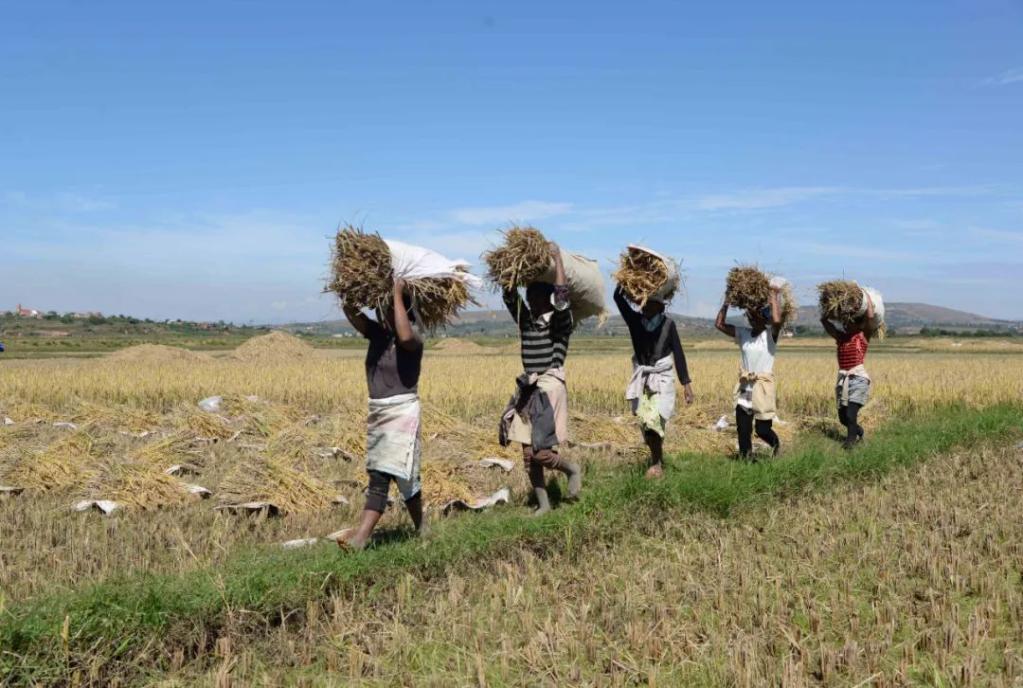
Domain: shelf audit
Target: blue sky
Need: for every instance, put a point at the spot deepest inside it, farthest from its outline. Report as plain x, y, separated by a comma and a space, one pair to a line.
191, 159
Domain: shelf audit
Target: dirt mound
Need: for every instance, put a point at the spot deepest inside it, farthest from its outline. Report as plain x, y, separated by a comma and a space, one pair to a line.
155, 353
460, 346
276, 346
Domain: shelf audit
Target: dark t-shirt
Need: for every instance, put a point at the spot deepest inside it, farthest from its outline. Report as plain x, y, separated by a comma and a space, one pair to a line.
390, 369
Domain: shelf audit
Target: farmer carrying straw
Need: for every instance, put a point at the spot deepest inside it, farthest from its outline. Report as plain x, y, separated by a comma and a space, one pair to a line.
657, 353
537, 415
852, 389
393, 363
755, 396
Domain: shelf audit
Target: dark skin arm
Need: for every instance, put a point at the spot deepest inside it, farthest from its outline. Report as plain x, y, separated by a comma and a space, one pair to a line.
681, 369
868, 318
721, 324
357, 319
776, 322
403, 331
830, 328
628, 312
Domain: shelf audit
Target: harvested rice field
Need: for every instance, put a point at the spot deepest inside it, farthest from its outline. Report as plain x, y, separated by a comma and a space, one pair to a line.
806, 591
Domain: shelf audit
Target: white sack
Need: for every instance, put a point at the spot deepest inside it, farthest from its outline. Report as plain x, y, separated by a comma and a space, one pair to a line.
414, 262
878, 300
673, 282
585, 283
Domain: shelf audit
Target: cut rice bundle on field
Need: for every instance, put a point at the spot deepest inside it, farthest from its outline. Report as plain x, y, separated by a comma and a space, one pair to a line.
120, 418
67, 462
442, 484
295, 443
273, 347
28, 412
364, 268
139, 486
206, 426
747, 288
644, 274
523, 258
168, 451
276, 481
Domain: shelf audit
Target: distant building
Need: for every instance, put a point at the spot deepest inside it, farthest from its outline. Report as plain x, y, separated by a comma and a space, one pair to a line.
27, 312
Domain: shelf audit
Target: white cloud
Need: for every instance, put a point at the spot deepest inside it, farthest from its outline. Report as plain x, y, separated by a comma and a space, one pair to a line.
1001, 235
1009, 76
751, 199
501, 214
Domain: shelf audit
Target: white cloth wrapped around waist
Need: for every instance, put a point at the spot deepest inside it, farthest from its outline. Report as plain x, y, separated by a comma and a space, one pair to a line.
659, 380
392, 439
843, 379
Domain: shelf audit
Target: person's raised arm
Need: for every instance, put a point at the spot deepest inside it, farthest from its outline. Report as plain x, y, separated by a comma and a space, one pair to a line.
357, 319
403, 331
776, 321
721, 322
830, 328
868, 318
624, 307
560, 280
516, 306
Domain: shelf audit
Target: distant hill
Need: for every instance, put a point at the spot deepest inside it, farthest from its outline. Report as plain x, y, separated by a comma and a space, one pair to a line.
904, 317
911, 317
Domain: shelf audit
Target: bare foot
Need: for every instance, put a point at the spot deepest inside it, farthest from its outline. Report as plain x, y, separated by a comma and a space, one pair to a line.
346, 539
655, 472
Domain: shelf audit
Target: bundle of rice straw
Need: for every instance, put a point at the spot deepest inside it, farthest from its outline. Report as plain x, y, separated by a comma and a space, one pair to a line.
789, 306
277, 481
840, 300
748, 288
139, 486
70, 461
524, 257
643, 274
363, 275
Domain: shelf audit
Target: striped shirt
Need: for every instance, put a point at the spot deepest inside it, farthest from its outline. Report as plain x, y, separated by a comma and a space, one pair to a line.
544, 340
852, 350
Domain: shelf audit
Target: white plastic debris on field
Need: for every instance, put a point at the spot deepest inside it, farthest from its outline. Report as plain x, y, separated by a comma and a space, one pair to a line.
8, 421
502, 496
299, 543
8, 491
505, 465
197, 490
64, 425
211, 404
104, 506
722, 424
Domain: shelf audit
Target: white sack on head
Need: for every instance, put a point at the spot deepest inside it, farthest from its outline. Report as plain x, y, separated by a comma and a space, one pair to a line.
878, 300
414, 262
585, 283
674, 281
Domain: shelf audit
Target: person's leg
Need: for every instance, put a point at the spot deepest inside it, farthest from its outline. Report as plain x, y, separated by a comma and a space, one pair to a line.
550, 458
376, 502
744, 427
415, 511
767, 434
843, 415
656, 444
536, 480
854, 431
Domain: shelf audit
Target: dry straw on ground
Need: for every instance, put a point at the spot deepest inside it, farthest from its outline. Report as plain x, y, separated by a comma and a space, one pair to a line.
275, 346
155, 353
277, 481
748, 288
641, 275
523, 258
